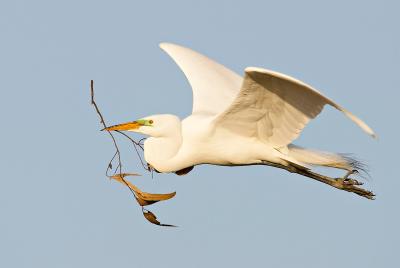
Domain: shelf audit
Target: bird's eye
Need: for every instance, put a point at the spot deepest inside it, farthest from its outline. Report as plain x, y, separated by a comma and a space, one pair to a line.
150, 122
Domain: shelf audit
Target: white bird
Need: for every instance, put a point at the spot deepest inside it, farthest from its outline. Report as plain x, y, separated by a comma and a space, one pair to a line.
236, 120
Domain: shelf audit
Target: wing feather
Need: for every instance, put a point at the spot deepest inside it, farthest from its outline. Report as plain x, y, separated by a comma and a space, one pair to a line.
275, 108
214, 86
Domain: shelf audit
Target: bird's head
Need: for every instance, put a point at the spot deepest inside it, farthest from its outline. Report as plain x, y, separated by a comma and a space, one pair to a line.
159, 125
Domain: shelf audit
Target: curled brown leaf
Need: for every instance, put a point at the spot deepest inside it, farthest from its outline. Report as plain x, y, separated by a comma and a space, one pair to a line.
143, 198
153, 219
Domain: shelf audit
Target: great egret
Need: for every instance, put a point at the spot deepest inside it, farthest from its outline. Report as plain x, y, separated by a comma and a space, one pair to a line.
241, 121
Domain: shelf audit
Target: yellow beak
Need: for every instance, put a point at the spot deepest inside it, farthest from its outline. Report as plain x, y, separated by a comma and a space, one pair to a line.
125, 126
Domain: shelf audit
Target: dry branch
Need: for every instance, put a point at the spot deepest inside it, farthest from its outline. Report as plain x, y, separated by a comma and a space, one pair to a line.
142, 198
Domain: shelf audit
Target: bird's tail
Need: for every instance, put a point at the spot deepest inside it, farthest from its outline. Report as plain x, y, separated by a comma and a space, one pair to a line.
318, 158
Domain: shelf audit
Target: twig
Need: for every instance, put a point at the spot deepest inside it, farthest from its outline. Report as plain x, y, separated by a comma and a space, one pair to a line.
117, 151
135, 143
134, 146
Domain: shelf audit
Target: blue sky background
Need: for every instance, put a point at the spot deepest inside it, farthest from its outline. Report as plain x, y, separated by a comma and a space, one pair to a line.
57, 209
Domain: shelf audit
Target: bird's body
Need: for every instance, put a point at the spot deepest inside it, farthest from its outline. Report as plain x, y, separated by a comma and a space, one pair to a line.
192, 145
238, 121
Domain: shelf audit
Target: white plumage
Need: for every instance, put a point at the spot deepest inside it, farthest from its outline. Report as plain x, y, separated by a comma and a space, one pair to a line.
237, 121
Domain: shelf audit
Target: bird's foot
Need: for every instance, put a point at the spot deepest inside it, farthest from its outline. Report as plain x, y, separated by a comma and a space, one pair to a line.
345, 183
350, 181
350, 185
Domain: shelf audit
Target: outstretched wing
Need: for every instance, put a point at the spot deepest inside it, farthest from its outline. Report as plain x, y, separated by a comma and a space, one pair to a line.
214, 86
275, 108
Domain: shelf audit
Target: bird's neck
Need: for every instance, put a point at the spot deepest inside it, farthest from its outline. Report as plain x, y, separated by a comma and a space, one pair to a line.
160, 151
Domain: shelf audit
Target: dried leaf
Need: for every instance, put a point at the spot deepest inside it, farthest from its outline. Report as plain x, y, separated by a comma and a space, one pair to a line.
143, 198
123, 175
153, 219
121, 178
143, 202
156, 197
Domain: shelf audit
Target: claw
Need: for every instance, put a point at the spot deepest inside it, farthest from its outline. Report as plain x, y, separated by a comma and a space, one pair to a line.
350, 172
350, 185
352, 182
